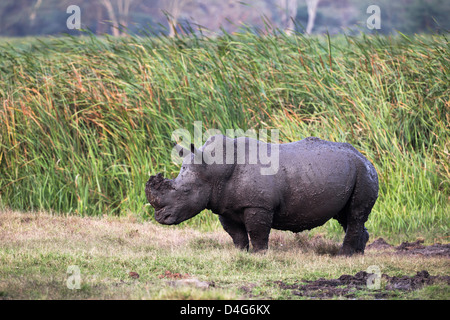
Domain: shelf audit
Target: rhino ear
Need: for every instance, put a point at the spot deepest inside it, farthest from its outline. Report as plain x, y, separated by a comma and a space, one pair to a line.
195, 151
182, 152
197, 154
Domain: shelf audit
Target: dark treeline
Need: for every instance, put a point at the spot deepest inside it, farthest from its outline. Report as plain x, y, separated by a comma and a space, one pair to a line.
49, 17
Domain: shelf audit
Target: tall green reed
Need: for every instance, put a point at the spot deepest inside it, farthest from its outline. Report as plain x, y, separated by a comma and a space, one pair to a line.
85, 120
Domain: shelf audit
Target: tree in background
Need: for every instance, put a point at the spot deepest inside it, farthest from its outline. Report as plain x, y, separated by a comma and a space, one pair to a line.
119, 14
34, 10
213, 15
173, 9
288, 9
312, 10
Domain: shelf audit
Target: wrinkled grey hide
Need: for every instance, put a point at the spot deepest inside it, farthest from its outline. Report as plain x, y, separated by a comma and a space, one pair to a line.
315, 181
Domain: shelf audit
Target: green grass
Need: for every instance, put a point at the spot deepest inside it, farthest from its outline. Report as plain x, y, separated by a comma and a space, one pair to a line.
37, 249
85, 120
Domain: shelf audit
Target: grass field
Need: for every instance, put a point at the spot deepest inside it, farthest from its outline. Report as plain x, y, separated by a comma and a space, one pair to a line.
124, 258
85, 120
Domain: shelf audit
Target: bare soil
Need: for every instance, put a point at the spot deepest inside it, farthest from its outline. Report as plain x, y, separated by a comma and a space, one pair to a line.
412, 248
121, 258
349, 286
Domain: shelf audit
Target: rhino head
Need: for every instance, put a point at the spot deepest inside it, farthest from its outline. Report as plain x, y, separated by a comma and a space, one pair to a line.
183, 197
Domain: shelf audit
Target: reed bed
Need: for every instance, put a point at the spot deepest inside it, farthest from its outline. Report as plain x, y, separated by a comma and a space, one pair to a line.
85, 120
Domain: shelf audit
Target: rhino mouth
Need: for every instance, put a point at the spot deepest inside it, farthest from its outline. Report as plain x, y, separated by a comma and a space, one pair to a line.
164, 217
159, 211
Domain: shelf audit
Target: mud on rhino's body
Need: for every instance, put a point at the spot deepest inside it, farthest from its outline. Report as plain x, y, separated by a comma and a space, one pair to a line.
316, 180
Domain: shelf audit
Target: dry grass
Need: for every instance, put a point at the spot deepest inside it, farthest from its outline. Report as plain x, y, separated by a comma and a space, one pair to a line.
37, 248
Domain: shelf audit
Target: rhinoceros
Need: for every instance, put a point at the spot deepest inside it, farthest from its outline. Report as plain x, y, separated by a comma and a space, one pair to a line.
315, 180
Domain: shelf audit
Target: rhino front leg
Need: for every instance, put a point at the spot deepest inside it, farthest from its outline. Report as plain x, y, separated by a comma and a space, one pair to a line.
237, 232
258, 223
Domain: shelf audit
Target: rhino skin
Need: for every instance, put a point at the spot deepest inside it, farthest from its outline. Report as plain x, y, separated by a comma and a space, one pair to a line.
316, 180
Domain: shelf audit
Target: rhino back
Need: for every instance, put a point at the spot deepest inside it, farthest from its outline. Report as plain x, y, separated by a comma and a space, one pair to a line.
315, 181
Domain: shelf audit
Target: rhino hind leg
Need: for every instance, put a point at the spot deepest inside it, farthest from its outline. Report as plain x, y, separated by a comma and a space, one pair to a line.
237, 232
352, 219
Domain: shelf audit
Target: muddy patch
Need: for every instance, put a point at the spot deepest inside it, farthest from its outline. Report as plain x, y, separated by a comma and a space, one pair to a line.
416, 247
379, 244
355, 286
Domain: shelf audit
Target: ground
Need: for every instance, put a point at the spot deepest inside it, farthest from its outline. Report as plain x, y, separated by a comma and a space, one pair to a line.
124, 258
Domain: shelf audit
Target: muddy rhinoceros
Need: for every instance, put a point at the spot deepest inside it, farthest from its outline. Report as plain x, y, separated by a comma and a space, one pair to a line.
314, 180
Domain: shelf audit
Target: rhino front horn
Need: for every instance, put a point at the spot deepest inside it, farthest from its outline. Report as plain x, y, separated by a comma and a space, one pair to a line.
154, 182
158, 183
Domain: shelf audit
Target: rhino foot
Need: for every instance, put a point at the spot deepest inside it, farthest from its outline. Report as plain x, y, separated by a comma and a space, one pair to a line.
356, 244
